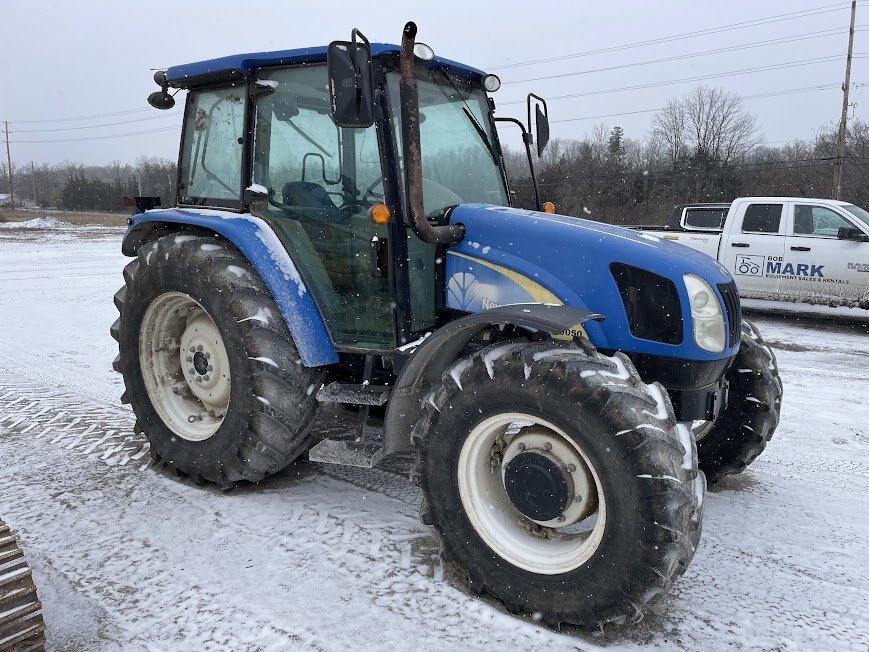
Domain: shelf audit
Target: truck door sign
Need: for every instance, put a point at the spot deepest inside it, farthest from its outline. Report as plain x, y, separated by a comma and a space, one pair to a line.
775, 267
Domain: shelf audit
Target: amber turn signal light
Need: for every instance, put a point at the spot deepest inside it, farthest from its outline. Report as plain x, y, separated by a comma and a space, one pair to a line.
379, 214
548, 207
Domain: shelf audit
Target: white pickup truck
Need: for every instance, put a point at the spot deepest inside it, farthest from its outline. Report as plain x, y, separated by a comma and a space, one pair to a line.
784, 248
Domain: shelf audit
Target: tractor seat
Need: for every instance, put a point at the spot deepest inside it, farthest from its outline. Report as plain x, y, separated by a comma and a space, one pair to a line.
305, 194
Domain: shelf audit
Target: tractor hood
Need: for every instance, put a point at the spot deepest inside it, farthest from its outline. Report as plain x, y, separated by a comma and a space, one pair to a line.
511, 255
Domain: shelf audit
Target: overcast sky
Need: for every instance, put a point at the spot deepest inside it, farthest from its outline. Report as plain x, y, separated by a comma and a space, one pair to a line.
64, 60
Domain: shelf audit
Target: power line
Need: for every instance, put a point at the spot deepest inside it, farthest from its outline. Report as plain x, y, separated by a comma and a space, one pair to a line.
73, 140
692, 55
805, 13
106, 124
85, 117
729, 73
789, 91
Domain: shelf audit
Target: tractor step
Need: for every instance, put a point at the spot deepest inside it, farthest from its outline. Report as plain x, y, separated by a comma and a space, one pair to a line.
354, 394
364, 454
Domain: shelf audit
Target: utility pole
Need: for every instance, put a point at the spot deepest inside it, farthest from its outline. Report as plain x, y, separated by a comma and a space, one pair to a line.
9, 161
33, 181
840, 143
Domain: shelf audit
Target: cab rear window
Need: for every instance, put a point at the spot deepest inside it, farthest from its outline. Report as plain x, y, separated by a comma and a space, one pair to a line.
704, 218
762, 218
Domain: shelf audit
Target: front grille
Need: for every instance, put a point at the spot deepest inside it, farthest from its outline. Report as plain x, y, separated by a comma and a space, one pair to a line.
651, 303
734, 310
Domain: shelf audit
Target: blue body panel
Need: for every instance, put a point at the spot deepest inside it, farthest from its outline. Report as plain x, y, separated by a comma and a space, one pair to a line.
258, 242
570, 258
246, 64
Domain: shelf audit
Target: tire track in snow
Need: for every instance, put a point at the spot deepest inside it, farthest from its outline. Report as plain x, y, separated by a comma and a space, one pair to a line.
66, 422
396, 554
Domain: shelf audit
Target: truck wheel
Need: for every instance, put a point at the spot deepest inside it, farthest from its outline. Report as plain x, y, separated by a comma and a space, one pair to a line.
559, 482
21, 624
211, 370
742, 430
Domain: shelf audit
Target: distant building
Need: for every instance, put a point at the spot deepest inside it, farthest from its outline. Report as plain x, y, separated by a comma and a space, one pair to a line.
5, 199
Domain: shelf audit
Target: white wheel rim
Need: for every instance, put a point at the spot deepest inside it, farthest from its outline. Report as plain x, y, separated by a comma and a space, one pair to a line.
546, 549
185, 366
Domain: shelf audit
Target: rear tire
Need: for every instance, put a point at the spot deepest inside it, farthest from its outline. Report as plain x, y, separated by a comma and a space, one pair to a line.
194, 289
746, 425
631, 468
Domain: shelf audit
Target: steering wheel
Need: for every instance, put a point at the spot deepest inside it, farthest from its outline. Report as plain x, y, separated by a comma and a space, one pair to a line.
369, 192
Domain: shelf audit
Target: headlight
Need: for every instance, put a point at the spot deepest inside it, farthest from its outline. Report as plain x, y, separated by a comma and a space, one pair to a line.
710, 332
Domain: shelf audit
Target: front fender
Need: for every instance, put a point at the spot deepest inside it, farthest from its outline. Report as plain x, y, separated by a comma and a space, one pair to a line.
262, 248
432, 356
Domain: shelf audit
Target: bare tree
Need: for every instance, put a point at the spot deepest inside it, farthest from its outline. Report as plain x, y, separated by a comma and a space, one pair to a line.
708, 124
670, 128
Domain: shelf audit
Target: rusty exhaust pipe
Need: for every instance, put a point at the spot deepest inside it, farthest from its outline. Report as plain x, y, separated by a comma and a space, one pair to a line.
410, 143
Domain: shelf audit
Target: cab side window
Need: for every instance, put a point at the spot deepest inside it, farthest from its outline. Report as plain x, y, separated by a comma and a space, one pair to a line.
762, 218
817, 221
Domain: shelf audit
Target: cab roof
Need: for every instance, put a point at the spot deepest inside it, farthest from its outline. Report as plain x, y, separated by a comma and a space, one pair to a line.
237, 66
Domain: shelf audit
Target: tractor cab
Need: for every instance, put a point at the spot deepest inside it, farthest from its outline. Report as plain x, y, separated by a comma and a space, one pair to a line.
311, 142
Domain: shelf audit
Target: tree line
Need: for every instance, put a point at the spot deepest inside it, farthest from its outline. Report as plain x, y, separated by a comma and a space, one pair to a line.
703, 147
77, 187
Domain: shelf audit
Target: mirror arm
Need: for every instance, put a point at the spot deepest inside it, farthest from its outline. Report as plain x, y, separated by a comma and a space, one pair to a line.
527, 139
410, 141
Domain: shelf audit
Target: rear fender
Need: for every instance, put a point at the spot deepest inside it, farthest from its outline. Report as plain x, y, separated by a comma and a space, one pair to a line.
433, 355
262, 248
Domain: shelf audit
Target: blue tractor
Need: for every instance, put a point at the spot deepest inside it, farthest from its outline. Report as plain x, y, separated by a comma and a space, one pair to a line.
344, 234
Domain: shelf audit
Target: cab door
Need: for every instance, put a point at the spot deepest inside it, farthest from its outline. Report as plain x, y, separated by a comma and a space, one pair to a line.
754, 246
818, 264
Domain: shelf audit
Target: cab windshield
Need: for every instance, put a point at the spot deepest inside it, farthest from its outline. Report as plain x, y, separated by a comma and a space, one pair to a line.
859, 213
459, 163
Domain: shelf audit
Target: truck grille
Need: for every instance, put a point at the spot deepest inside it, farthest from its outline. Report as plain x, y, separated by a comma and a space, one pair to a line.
734, 310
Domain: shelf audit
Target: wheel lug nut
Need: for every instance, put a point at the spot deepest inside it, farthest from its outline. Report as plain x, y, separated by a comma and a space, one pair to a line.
209, 368
205, 378
571, 468
207, 355
198, 379
189, 358
561, 519
192, 349
547, 446
520, 446
192, 371
199, 348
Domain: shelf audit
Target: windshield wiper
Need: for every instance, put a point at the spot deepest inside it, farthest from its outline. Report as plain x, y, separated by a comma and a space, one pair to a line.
476, 123
304, 135
482, 133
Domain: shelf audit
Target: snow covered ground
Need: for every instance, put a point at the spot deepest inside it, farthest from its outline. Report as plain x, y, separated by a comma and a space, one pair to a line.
128, 557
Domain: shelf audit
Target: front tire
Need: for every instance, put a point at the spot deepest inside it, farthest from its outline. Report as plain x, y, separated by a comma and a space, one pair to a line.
560, 482
743, 429
210, 368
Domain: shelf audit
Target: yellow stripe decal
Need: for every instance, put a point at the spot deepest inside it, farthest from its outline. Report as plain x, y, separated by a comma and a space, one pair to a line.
539, 293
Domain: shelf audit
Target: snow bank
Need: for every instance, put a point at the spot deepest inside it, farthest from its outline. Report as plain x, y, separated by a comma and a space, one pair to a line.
38, 223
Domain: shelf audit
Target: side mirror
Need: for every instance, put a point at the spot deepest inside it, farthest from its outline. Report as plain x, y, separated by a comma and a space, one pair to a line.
351, 82
851, 233
541, 119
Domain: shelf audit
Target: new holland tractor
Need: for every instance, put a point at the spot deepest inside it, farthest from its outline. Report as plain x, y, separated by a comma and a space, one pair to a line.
343, 234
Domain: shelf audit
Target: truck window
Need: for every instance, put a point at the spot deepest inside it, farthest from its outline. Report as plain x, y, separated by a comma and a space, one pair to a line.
211, 151
818, 221
704, 218
762, 218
